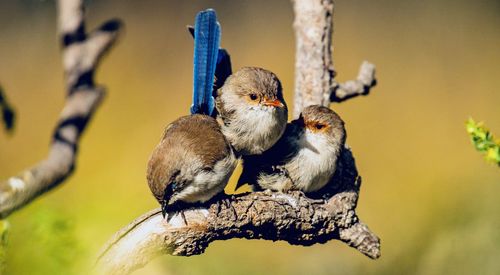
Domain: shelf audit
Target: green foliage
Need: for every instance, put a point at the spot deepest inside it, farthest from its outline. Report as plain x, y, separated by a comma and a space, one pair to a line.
484, 141
46, 244
4, 230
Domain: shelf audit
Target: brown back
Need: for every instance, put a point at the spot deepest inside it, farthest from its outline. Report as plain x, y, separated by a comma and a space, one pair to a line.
190, 142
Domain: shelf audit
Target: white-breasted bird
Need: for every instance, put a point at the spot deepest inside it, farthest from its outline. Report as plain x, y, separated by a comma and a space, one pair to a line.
305, 158
251, 110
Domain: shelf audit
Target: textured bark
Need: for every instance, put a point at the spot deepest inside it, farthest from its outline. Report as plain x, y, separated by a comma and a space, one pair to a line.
325, 215
299, 220
81, 55
352, 88
314, 70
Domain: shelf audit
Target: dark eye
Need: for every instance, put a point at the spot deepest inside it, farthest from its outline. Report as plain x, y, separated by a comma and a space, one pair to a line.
253, 97
319, 126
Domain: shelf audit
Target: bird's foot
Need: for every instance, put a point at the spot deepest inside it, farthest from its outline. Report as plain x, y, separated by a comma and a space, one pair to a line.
172, 210
220, 198
184, 218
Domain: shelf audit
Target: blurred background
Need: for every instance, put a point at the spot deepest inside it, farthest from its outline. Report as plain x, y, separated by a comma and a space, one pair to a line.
426, 192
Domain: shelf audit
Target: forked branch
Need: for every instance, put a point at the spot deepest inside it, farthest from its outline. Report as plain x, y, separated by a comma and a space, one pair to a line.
81, 55
314, 69
292, 217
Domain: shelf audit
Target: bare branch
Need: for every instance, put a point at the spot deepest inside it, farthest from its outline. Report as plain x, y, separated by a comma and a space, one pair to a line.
299, 220
81, 55
352, 88
314, 70
292, 217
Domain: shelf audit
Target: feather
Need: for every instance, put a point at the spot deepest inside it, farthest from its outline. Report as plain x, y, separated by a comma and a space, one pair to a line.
206, 48
222, 71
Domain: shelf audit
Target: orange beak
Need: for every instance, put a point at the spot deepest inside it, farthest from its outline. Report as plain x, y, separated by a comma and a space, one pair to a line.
275, 103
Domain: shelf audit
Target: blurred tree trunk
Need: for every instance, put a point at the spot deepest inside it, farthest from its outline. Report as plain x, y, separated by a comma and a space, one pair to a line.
82, 53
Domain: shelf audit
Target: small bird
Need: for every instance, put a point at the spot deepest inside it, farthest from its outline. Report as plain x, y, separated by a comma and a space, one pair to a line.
251, 110
191, 164
194, 160
305, 158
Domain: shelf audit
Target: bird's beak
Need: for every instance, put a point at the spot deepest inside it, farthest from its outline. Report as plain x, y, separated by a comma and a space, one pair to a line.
274, 103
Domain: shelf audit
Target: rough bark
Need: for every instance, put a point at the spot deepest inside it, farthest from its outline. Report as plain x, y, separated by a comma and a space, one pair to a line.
81, 55
325, 215
293, 217
314, 69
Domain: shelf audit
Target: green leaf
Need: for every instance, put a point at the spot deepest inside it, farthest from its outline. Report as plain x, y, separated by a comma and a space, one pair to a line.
484, 141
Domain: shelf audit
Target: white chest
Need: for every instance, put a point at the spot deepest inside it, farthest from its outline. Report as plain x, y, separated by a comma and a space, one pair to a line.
314, 165
254, 130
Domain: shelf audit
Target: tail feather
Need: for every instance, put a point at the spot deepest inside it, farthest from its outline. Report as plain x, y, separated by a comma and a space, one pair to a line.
223, 69
206, 48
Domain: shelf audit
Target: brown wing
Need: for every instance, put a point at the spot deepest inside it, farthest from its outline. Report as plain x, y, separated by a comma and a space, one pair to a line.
190, 142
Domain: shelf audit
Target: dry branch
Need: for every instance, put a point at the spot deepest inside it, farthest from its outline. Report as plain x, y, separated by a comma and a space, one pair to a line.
81, 55
299, 220
352, 88
314, 71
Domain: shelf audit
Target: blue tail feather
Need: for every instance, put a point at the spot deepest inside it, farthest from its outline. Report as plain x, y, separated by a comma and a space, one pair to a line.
223, 68
206, 50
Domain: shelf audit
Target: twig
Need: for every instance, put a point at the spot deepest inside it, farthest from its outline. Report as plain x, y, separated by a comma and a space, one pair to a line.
352, 88
314, 71
81, 55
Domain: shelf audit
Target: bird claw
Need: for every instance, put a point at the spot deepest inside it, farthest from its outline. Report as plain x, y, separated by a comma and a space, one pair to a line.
184, 218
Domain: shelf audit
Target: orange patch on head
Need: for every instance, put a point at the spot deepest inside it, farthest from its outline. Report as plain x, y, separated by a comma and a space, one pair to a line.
317, 127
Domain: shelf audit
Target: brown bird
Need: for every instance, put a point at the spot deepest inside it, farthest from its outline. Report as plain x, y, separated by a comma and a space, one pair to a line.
251, 110
191, 164
305, 158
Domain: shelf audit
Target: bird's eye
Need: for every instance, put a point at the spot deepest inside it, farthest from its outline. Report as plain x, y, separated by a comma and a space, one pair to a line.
253, 97
319, 126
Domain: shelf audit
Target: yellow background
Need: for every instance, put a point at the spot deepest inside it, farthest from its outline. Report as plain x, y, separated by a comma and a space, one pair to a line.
426, 192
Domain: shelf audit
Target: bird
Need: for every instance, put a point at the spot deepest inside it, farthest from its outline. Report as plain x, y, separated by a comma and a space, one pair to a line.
194, 161
249, 104
305, 157
251, 110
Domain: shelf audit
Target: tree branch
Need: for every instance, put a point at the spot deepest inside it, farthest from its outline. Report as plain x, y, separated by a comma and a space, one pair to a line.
81, 55
325, 215
299, 220
314, 71
352, 88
